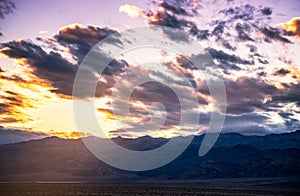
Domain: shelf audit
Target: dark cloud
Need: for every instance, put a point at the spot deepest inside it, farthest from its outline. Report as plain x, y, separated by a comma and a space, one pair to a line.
242, 30
225, 61
224, 57
227, 45
80, 40
285, 114
170, 15
168, 20
252, 48
291, 94
244, 12
50, 66
162, 91
282, 71
200, 34
266, 11
157, 92
219, 29
289, 121
247, 12
274, 34
173, 9
245, 95
263, 61
261, 74
194, 30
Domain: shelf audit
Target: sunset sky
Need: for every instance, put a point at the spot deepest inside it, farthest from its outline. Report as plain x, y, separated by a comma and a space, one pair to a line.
253, 44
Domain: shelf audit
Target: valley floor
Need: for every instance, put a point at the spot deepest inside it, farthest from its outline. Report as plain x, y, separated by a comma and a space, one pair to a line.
247, 187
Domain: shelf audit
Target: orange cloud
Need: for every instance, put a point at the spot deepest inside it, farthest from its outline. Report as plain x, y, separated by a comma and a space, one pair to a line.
89, 33
71, 26
293, 26
21, 92
12, 107
68, 135
107, 113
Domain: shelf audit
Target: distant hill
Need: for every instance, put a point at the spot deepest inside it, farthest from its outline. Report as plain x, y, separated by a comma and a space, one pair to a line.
234, 155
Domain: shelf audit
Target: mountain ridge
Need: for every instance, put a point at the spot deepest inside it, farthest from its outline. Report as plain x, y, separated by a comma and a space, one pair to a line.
233, 156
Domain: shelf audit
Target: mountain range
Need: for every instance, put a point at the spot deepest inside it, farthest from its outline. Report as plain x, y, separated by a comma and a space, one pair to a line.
233, 156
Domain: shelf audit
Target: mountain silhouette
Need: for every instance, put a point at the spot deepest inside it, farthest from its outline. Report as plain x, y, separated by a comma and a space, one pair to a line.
233, 156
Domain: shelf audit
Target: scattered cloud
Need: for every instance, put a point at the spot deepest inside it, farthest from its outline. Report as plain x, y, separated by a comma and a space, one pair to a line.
274, 34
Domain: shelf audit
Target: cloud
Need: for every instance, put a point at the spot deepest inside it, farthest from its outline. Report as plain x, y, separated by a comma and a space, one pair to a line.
289, 71
165, 15
175, 10
293, 26
244, 12
132, 11
68, 134
59, 71
274, 34
148, 93
80, 39
282, 71
267, 11
219, 29
289, 119
245, 95
161, 91
50, 66
242, 30
224, 61
163, 18
290, 94
200, 34
224, 57
12, 106
108, 113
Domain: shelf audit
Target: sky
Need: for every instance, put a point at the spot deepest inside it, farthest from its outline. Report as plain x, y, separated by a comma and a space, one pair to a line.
253, 46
